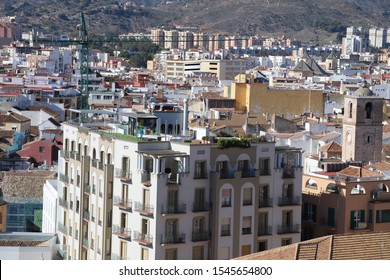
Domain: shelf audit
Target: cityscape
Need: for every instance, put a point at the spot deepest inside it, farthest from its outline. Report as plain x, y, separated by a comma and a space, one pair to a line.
181, 144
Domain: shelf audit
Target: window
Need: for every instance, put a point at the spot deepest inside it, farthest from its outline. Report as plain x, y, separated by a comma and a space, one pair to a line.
383, 216
171, 254
226, 198
200, 170
286, 241
332, 188
263, 245
247, 196
41, 149
357, 219
246, 225
198, 253
144, 254
331, 217
264, 166
358, 189
350, 106
225, 227
311, 184
309, 212
264, 196
368, 110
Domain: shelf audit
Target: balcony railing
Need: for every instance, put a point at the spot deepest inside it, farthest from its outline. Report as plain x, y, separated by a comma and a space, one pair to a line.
62, 251
64, 178
288, 173
200, 236
65, 154
62, 228
201, 207
64, 203
86, 215
85, 241
289, 228
264, 230
123, 174
289, 201
117, 257
246, 231
145, 178
122, 232
174, 209
123, 204
226, 175
173, 238
142, 238
173, 179
265, 202
264, 172
143, 208
225, 232
87, 189
97, 164
201, 175
248, 173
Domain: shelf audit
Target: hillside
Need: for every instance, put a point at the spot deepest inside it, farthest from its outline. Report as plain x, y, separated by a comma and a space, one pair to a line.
301, 19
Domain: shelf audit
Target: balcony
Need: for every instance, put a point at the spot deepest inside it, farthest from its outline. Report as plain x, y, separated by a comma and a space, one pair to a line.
123, 204
173, 238
248, 173
288, 173
97, 164
87, 189
75, 156
225, 231
144, 209
145, 178
264, 230
122, 232
85, 242
117, 257
64, 178
86, 215
201, 207
202, 175
143, 238
123, 175
63, 202
226, 175
264, 172
173, 179
62, 228
62, 251
200, 236
265, 202
283, 229
65, 154
173, 209
284, 201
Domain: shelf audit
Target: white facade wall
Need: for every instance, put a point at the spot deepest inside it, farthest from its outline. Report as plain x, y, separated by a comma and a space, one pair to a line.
50, 203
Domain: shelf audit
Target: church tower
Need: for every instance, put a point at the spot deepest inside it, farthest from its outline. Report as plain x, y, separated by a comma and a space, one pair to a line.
362, 126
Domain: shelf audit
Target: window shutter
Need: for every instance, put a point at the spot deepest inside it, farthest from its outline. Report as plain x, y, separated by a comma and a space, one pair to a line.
314, 209
362, 218
352, 223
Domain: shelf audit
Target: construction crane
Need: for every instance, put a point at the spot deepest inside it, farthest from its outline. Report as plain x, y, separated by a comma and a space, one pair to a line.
84, 41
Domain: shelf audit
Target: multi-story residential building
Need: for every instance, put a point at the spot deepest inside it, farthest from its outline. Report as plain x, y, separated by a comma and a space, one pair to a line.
122, 197
223, 69
377, 37
171, 39
158, 37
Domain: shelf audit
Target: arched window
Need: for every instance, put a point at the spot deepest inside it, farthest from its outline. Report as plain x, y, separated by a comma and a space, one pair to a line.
358, 189
311, 184
350, 109
368, 110
162, 128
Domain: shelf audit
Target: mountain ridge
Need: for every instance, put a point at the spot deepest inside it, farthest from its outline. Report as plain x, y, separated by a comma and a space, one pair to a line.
301, 19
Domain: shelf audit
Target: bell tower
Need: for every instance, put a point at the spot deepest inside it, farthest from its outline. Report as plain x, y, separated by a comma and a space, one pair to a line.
362, 126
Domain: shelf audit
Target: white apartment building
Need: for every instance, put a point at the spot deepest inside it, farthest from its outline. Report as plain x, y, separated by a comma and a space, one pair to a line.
50, 206
223, 69
122, 197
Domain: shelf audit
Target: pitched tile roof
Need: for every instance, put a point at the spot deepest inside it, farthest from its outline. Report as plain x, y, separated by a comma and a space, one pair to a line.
331, 147
358, 172
363, 246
